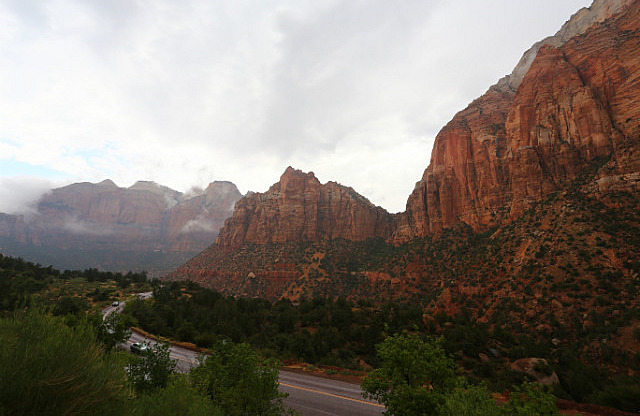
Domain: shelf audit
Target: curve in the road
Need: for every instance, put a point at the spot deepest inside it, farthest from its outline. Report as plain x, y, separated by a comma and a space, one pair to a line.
315, 399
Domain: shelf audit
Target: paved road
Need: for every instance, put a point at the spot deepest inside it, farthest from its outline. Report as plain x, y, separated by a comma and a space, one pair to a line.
111, 309
317, 396
185, 359
310, 395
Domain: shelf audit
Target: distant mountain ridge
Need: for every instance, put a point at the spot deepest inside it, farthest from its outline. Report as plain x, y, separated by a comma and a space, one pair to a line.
104, 226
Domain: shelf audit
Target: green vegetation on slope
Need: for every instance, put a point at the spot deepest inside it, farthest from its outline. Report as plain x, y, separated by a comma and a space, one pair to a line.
58, 357
318, 331
343, 333
50, 368
24, 284
560, 283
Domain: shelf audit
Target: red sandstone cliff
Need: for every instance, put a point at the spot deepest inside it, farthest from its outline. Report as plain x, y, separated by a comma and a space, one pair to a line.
572, 99
570, 102
569, 107
299, 208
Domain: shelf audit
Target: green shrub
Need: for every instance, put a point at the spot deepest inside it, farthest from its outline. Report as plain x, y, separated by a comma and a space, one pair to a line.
178, 398
417, 378
152, 369
48, 368
237, 380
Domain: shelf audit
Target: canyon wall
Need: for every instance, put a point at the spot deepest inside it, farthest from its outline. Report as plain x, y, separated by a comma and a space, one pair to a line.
570, 103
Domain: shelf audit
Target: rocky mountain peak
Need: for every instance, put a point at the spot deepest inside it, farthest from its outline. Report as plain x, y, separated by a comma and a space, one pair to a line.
221, 186
293, 180
146, 186
300, 208
579, 23
542, 160
222, 193
102, 225
222, 190
107, 183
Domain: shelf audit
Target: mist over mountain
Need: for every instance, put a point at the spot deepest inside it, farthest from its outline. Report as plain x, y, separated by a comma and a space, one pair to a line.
100, 225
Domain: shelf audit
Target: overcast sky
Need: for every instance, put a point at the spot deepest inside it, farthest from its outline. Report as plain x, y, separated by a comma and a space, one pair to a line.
185, 92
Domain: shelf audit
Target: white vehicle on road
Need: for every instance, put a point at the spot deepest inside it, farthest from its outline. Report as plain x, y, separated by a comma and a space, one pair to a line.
139, 347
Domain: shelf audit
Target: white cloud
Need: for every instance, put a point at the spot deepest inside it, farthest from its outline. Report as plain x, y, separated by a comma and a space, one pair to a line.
20, 195
75, 225
184, 93
199, 224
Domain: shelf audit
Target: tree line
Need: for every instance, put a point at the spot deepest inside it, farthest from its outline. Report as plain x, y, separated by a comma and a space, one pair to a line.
320, 331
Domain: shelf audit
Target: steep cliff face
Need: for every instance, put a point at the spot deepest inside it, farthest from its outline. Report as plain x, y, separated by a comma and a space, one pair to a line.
12, 226
467, 177
102, 221
299, 208
570, 102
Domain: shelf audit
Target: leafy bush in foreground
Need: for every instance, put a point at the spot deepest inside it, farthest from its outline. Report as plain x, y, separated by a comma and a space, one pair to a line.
416, 377
49, 368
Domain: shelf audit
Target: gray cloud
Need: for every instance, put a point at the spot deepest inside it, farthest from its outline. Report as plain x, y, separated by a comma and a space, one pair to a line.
183, 93
338, 70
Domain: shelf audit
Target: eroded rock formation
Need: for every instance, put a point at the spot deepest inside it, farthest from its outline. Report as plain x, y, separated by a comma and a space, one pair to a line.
300, 208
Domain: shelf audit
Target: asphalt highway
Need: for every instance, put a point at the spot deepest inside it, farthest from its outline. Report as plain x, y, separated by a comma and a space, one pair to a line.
310, 395
111, 309
185, 359
317, 396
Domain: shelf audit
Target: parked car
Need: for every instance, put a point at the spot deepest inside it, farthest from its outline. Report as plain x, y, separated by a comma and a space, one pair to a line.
139, 347
116, 303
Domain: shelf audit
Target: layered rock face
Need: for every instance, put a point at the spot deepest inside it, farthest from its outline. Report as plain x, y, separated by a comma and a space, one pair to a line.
570, 102
104, 218
299, 208
258, 251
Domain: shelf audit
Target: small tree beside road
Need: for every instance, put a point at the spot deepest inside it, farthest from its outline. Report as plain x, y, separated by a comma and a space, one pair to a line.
417, 378
414, 376
239, 381
151, 370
